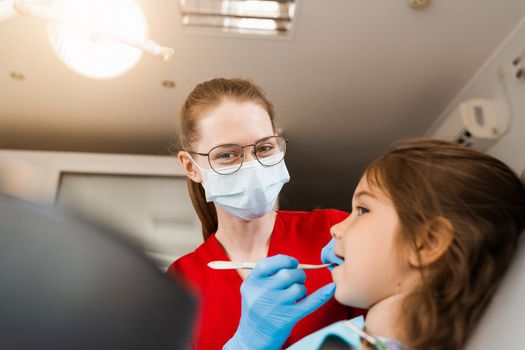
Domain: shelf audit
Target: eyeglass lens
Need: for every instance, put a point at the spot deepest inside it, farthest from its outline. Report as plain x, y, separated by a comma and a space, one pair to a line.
224, 159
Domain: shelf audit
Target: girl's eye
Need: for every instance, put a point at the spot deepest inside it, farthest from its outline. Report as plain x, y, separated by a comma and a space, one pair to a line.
362, 211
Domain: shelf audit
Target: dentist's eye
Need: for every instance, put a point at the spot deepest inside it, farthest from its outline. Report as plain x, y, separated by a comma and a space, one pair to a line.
361, 211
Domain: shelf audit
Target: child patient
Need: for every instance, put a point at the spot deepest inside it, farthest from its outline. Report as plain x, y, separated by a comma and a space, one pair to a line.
433, 228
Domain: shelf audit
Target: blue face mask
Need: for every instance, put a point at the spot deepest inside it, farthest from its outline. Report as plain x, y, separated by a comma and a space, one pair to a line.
250, 192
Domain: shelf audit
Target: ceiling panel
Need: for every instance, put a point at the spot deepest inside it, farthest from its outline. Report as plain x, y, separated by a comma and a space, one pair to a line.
355, 76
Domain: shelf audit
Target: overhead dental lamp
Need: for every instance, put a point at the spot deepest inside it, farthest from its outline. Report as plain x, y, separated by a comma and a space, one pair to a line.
96, 38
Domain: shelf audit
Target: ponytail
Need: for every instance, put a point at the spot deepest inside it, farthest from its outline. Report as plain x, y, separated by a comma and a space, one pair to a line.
205, 210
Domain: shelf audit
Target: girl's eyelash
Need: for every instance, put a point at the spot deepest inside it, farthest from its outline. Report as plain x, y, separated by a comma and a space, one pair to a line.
359, 210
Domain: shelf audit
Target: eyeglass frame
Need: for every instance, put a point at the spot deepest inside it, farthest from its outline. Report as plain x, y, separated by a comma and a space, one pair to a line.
207, 155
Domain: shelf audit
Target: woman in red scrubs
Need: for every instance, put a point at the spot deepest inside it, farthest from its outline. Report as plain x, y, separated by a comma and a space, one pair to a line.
234, 161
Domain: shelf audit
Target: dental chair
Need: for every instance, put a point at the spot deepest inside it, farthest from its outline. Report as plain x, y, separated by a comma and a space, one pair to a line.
502, 325
68, 284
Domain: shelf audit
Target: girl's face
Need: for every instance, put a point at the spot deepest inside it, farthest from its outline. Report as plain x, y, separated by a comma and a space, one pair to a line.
235, 122
374, 267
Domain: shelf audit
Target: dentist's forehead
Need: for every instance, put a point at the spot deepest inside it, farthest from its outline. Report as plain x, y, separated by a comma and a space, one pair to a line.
234, 122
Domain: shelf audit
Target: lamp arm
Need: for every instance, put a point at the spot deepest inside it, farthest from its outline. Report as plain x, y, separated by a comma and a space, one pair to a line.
26, 8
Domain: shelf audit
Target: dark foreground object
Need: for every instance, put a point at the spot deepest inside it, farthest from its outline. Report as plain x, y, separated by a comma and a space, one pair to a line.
67, 284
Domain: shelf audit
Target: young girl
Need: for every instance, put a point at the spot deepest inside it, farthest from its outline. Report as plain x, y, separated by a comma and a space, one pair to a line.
433, 228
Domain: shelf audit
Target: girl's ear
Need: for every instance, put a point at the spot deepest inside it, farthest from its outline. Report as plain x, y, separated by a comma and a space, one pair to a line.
433, 241
190, 169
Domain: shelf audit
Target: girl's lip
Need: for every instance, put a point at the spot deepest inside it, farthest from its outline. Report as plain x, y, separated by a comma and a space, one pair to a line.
336, 262
341, 258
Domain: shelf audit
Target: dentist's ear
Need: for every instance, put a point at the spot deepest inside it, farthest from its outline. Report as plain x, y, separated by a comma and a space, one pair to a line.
190, 169
433, 242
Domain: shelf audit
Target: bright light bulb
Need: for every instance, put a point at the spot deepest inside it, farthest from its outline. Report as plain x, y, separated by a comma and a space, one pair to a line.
6, 9
86, 32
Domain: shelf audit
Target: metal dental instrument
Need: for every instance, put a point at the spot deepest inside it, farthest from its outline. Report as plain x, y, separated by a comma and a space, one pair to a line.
229, 265
376, 343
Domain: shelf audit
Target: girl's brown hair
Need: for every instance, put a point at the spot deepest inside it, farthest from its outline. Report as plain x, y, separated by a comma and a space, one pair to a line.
205, 96
484, 201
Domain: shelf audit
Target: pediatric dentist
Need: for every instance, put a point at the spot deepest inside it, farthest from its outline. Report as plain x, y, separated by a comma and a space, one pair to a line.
234, 161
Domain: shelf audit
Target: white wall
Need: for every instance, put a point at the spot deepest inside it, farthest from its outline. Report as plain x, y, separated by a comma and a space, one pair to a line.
508, 92
34, 175
144, 197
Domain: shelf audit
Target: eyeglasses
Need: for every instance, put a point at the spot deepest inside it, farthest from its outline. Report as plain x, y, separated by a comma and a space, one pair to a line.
227, 159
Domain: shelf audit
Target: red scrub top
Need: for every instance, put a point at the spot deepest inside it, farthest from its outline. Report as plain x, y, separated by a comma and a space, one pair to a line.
298, 234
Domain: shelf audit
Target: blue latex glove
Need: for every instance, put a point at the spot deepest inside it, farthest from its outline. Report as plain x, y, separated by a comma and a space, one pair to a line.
269, 304
328, 256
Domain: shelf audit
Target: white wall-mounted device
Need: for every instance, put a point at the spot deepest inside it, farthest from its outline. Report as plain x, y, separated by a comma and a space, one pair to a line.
473, 123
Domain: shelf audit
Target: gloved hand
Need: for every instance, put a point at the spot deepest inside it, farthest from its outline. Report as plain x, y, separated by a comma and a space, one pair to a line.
328, 256
269, 304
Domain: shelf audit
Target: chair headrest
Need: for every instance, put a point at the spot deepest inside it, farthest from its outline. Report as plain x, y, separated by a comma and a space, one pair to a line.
501, 326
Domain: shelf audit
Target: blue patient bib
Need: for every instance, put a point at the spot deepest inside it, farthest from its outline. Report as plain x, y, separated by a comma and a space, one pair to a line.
343, 335
315, 340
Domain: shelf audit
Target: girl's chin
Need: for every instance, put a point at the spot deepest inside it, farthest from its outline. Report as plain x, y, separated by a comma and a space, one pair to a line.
337, 297
336, 280
335, 272
345, 298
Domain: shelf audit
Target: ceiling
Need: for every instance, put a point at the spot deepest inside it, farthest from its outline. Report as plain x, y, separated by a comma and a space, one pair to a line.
356, 76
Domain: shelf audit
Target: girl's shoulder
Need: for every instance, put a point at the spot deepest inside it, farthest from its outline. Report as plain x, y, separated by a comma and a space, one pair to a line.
332, 335
341, 334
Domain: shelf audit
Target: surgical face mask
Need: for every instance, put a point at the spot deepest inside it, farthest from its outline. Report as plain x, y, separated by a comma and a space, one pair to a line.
250, 192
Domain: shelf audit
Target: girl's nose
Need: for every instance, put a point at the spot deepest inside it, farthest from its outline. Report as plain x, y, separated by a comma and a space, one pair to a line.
335, 231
